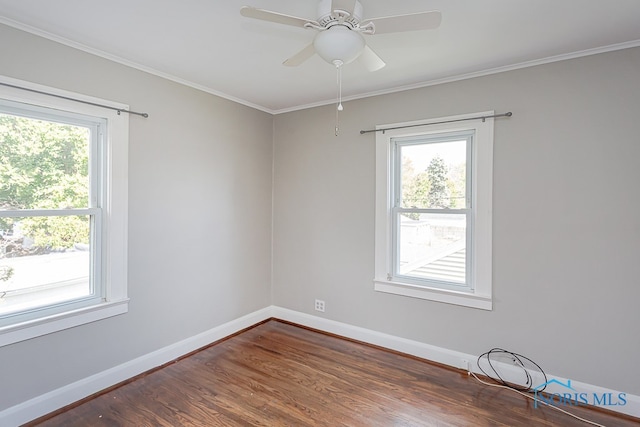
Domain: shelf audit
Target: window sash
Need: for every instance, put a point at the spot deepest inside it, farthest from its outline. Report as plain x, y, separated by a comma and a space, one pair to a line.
426, 139
396, 253
96, 278
93, 210
97, 127
397, 210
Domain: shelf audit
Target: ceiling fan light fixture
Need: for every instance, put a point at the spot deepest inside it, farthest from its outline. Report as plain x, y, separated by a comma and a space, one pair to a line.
339, 43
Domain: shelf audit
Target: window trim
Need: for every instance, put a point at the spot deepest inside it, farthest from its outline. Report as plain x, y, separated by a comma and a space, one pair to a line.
480, 296
115, 230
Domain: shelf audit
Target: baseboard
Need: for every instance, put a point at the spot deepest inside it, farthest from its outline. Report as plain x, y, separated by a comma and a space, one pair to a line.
594, 395
402, 345
59, 398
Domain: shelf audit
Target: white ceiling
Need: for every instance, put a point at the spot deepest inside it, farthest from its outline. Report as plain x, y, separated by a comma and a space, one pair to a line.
208, 45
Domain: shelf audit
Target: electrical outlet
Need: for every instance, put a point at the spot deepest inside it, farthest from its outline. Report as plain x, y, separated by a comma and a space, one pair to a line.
320, 305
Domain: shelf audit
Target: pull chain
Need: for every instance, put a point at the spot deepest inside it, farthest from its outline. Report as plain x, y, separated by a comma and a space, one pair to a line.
339, 108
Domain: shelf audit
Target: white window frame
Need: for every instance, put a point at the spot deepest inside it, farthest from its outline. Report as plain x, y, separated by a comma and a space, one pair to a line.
479, 293
113, 237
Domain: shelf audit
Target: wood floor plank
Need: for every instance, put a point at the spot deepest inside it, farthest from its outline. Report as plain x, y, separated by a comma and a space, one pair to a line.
278, 374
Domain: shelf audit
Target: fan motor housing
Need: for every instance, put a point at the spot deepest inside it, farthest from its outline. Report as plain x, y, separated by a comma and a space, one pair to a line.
327, 17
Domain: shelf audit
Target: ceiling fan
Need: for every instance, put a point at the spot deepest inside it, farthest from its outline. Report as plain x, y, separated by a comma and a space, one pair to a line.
340, 28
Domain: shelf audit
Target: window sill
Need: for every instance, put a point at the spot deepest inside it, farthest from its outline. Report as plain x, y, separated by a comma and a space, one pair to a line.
482, 302
43, 326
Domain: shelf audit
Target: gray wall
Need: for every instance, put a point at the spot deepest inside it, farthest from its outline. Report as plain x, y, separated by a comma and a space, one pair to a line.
199, 217
566, 224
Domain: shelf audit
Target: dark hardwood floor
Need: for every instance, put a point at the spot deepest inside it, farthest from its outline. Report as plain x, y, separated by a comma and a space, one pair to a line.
277, 374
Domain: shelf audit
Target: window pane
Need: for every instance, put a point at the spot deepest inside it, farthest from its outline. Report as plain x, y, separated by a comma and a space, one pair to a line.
43, 260
433, 246
434, 175
43, 165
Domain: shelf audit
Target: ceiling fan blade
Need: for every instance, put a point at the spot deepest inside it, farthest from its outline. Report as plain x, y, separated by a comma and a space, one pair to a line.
348, 6
267, 15
301, 56
371, 60
410, 22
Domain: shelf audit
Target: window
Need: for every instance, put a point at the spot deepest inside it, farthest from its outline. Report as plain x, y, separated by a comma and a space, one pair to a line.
62, 212
433, 210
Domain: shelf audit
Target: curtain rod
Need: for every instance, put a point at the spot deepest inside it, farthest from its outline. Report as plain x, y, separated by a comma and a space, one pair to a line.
509, 114
119, 110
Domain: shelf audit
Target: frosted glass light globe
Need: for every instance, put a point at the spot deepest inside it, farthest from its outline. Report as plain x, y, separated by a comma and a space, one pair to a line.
339, 43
